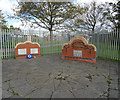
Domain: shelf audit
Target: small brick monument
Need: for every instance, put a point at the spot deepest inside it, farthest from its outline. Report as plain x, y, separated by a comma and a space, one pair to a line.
23, 49
79, 49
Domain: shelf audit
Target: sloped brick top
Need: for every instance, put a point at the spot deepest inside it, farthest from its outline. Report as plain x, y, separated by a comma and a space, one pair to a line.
79, 49
27, 43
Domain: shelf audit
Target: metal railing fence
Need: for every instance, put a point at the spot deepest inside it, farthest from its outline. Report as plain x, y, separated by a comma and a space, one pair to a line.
9, 39
107, 44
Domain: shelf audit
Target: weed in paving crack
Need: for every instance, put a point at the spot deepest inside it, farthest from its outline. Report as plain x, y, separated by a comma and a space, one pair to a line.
93, 75
7, 81
98, 75
109, 79
68, 81
15, 93
10, 88
89, 77
104, 94
115, 88
49, 74
28, 73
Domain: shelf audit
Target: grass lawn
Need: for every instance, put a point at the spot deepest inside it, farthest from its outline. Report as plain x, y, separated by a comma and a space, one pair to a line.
48, 42
103, 50
49, 50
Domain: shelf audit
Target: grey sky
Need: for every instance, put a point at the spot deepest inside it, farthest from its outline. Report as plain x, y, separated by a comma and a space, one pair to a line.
7, 5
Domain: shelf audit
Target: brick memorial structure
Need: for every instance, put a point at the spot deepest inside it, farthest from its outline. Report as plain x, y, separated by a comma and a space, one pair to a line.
79, 49
23, 49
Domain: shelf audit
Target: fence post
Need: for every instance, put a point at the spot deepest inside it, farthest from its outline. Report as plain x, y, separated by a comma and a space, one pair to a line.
97, 44
0, 63
118, 34
1, 44
68, 35
28, 37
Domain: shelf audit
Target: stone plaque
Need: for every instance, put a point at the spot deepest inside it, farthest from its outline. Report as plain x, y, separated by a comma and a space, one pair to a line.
77, 53
22, 51
33, 50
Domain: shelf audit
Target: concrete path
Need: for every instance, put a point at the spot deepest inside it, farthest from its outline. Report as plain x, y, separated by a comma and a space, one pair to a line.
51, 77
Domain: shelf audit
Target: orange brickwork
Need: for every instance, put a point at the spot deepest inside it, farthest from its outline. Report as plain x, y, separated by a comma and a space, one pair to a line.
23, 49
79, 49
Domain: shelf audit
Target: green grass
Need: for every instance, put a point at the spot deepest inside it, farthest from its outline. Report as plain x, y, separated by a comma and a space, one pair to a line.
12, 55
104, 50
48, 42
55, 49
28, 73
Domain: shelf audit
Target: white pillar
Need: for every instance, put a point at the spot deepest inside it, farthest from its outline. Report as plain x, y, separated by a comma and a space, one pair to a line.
28, 37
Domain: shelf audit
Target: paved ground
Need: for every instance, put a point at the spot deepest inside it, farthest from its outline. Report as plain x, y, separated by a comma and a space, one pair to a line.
51, 77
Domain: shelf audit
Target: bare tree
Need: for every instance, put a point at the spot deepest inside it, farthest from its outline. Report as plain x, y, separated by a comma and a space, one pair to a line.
113, 12
94, 17
47, 15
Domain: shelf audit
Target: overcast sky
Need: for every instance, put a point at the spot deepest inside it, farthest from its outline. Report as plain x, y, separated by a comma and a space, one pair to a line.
99, 1
7, 5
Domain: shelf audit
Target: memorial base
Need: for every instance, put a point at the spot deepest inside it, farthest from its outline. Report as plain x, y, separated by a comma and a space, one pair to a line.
79, 59
25, 56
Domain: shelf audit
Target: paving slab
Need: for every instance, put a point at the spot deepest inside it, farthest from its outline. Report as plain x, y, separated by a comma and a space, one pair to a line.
43, 93
6, 94
51, 77
62, 94
113, 94
16, 96
24, 90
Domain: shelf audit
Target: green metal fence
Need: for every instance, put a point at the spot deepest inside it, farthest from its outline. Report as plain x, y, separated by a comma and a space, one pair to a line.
107, 43
9, 39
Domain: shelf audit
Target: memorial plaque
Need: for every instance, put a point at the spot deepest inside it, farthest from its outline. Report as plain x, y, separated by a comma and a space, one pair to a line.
21, 51
34, 50
77, 53
79, 49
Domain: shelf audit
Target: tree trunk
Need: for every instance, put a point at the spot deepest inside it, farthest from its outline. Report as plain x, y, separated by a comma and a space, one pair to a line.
51, 37
93, 36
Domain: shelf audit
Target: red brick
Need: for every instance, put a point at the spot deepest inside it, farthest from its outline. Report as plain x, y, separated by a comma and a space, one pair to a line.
81, 44
27, 45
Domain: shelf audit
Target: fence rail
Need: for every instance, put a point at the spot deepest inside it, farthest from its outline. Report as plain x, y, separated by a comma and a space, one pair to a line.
107, 43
